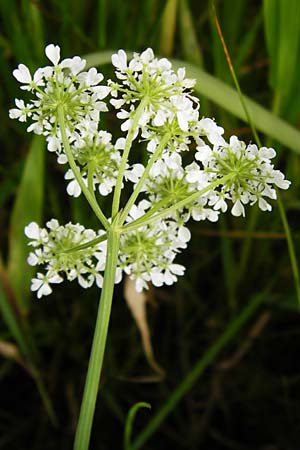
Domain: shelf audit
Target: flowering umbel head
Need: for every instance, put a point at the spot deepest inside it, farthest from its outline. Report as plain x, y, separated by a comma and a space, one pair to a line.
156, 104
166, 94
63, 85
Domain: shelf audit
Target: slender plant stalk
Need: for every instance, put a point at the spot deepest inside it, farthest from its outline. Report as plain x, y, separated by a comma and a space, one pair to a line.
143, 178
209, 356
83, 432
90, 198
134, 127
87, 244
129, 422
133, 225
289, 239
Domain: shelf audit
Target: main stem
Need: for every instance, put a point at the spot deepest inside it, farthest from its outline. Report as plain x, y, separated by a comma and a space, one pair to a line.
83, 432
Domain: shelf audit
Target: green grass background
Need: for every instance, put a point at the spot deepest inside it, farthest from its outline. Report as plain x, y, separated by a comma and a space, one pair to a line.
228, 334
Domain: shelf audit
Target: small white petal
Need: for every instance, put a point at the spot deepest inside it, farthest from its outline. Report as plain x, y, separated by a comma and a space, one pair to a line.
238, 209
53, 53
22, 74
119, 60
32, 230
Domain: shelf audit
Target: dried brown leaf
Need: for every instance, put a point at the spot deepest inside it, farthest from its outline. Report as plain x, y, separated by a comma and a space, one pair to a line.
136, 302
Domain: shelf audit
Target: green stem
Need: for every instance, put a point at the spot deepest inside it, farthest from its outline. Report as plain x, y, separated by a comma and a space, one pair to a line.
87, 244
150, 213
89, 196
117, 193
129, 422
139, 223
83, 432
209, 356
291, 246
143, 178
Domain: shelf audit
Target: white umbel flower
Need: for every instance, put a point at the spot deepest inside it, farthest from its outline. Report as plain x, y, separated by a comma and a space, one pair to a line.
62, 85
53, 249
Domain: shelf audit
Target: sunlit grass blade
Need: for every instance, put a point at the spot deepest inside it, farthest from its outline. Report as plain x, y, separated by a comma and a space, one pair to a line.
35, 27
282, 26
102, 21
190, 47
168, 26
271, 27
27, 208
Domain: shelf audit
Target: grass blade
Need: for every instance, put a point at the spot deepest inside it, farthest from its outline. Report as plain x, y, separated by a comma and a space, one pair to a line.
190, 47
27, 207
168, 27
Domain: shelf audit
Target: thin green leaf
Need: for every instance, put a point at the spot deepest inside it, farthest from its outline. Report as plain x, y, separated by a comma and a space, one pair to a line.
8, 314
168, 27
282, 30
129, 422
27, 208
271, 26
190, 46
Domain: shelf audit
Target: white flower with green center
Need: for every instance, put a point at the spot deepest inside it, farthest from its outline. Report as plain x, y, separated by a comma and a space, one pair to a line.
98, 161
253, 176
147, 254
53, 249
169, 182
165, 93
62, 85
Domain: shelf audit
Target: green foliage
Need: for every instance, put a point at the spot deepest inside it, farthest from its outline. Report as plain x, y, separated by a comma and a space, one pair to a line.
27, 208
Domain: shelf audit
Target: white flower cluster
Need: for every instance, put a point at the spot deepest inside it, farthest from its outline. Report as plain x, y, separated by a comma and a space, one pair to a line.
150, 96
152, 80
51, 248
147, 254
62, 85
253, 175
96, 157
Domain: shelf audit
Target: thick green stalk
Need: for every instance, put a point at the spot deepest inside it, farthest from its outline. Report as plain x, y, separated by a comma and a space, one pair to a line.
83, 432
143, 178
117, 193
139, 223
90, 198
